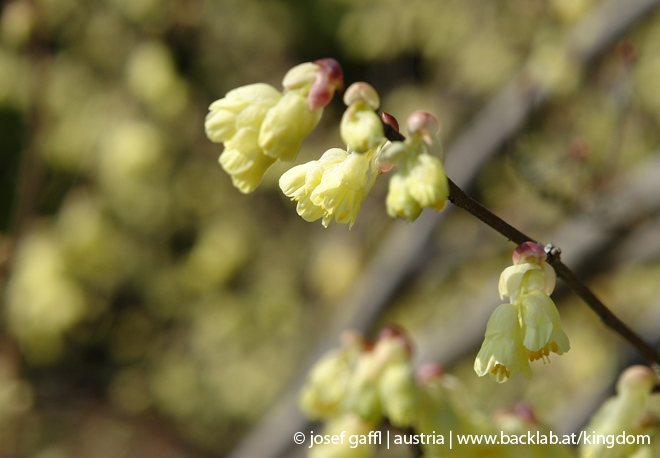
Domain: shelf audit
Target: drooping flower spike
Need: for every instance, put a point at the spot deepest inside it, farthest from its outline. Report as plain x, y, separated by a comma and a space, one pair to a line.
420, 180
259, 125
529, 327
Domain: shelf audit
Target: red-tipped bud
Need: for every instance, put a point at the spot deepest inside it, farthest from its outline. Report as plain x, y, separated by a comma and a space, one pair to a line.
328, 79
390, 120
423, 123
430, 372
332, 71
362, 92
528, 251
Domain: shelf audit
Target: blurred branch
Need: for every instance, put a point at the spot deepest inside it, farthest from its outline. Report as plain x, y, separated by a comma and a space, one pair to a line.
406, 246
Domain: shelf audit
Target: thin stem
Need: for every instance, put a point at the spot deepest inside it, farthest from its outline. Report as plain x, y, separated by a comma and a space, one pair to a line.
459, 198
462, 200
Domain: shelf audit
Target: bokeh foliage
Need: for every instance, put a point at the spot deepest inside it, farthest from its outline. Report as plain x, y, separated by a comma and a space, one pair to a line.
150, 309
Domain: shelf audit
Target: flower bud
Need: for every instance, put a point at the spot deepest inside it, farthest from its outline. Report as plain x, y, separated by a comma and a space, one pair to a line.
528, 252
328, 79
424, 124
361, 128
389, 120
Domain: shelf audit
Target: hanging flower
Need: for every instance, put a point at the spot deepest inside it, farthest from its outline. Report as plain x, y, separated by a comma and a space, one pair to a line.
258, 125
420, 180
502, 351
332, 187
529, 327
361, 128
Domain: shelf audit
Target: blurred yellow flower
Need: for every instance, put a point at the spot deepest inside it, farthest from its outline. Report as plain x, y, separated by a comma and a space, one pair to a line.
420, 181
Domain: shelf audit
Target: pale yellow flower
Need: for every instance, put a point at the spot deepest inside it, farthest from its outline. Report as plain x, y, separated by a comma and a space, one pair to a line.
258, 125
361, 128
541, 326
308, 88
240, 108
530, 329
332, 187
530, 272
502, 351
400, 202
420, 180
327, 382
287, 124
624, 412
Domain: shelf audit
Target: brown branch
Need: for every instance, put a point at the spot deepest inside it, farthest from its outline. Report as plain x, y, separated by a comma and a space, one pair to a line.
462, 200
459, 198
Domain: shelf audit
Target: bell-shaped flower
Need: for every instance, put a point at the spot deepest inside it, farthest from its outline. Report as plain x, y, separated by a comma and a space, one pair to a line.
299, 110
361, 128
530, 272
240, 108
541, 326
536, 328
502, 351
258, 125
244, 160
420, 180
332, 187
400, 202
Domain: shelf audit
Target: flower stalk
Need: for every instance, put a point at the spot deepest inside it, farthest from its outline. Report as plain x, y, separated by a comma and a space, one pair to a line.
459, 198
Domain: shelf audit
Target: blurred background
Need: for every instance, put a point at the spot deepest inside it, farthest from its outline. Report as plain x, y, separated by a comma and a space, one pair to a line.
150, 309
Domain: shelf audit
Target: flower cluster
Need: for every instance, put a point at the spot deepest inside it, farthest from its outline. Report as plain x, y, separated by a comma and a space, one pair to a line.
335, 185
363, 378
420, 181
354, 388
259, 125
528, 328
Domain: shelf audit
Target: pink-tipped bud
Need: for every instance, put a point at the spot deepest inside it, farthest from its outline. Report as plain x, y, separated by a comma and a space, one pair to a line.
383, 166
395, 332
362, 92
528, 251
422, 121
430, 372
424, 124
328, 78
636, 378
331, 70
390, 120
